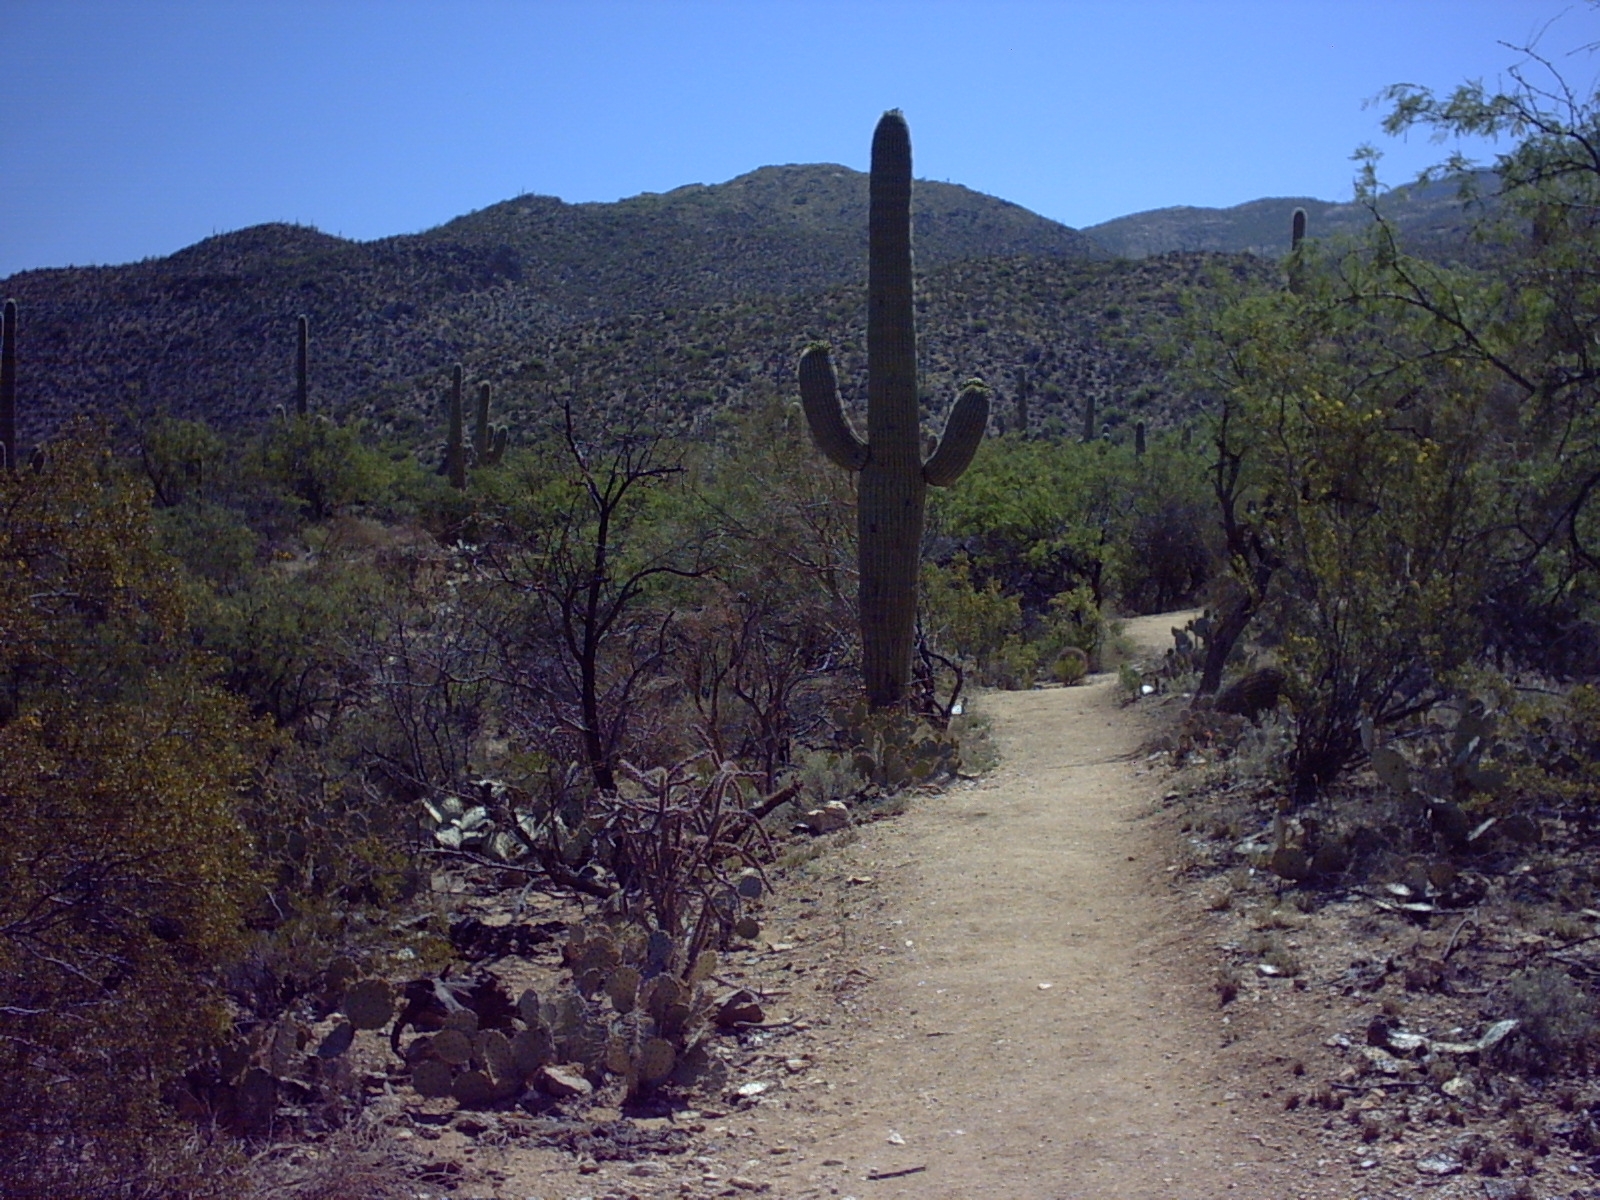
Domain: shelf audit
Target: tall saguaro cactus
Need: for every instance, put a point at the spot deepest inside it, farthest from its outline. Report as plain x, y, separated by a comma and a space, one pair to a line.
1297, 233
892, 493
8, 386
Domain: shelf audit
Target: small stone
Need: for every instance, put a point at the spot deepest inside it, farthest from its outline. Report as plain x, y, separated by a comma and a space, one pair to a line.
562, 1082
1381, 1060
1439, 1164
831, 816
746, 1091
895, 1139
1458, 1088
739, 1008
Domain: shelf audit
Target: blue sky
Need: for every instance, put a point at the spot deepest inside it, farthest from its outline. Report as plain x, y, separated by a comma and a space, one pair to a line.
131, 128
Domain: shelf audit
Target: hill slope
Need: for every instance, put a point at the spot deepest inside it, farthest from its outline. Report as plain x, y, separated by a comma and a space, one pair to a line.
1430, 220
210, 330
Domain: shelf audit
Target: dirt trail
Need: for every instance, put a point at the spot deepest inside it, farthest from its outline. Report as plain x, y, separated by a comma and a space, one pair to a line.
1042, 1032
1020, 1007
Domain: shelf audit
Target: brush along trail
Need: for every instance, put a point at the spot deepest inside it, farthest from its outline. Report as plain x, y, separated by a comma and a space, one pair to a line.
994, 994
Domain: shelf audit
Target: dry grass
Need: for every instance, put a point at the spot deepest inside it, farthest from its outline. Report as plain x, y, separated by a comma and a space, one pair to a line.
359, 1162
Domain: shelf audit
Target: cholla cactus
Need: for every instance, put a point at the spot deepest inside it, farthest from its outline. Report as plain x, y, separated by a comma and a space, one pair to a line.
892, 493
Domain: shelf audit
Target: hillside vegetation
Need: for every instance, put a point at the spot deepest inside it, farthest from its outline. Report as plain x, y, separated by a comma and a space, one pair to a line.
209, 332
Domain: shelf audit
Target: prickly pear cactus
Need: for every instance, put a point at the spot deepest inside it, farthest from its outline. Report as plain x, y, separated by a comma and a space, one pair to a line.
892, 493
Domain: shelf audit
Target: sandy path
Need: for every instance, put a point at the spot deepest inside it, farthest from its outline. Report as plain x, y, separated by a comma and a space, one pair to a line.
1100, 1084
936, 1063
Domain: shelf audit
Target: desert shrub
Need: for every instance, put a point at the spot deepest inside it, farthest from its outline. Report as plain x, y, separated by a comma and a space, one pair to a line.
318, 465
125, 860
1071, 666
966, 620
1558, 1020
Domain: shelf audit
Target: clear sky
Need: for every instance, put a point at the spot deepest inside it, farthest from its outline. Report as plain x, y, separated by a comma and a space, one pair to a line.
131, 128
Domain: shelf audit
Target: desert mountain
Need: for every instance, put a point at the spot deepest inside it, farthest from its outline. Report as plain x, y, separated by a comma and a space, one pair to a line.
693, 300
1429, 218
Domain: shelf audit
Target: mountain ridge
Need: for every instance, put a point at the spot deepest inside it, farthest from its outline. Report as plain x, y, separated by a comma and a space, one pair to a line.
533, 287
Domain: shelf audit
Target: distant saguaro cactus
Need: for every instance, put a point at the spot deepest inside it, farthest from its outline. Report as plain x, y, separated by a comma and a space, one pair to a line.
488, 441
1297, 233
1138, 438
302, 383
8, 386
1088, 418
1024, 388
892, 493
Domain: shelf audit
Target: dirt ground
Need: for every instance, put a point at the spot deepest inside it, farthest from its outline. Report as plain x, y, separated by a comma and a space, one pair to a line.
997, 993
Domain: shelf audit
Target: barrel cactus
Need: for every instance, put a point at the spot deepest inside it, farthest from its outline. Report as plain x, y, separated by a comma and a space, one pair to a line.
892, 492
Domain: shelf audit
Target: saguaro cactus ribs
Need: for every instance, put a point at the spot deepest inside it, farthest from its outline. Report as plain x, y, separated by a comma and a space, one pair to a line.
892, 493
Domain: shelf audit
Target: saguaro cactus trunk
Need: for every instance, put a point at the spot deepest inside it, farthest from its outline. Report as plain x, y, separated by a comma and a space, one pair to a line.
892, 493
455, 453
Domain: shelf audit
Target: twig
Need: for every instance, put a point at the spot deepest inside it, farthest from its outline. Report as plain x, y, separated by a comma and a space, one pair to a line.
1465, 921
1569, 945
775, 801
1367, 1087
896, 1174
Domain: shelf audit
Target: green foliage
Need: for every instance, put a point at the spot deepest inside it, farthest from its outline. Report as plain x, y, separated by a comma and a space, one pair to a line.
125, 860
317, 465
971, 622
1071, 666
182, 459
1043, 517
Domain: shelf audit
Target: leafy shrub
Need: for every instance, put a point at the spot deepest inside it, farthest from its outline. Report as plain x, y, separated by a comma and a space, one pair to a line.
125, 860
1558, 1019
1071, 666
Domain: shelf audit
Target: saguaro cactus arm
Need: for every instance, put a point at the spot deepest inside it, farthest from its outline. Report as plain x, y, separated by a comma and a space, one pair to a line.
963, 434
819, 396
488, 441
